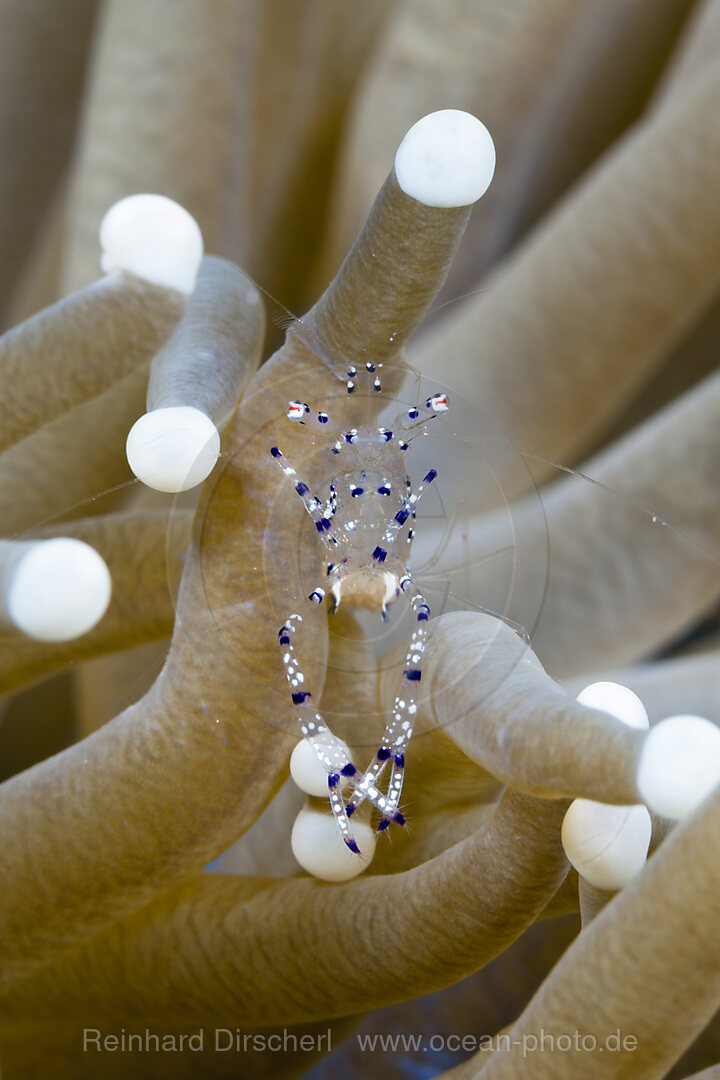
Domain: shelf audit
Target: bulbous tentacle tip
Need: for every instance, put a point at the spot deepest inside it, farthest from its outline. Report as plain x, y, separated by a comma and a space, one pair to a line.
59, 589
173, 449
307, 770
617, 700
607, 845
321, 850
679, 765
447, 159
154, 238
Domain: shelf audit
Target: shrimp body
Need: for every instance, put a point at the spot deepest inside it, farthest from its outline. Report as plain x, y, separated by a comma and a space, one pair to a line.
365, 520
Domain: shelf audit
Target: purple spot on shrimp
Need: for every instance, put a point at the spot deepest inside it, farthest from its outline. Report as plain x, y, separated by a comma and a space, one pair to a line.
319, 526
355, 492
349, 769
402, 516
352, 845
379, 554
323, 418
399, 760
284, 639
275, 452
399, 818
412, 674
333, 780
413, 414
383, 753
302, 489
350, 809
429, 476
299, 696
422, 616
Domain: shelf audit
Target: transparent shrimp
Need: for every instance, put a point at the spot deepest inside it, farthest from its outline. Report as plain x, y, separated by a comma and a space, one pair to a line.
365, 521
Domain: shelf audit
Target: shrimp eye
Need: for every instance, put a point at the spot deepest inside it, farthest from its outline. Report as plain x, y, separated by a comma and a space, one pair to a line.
296, 410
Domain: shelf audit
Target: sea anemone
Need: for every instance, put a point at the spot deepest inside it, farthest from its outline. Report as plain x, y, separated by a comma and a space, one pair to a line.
154, 920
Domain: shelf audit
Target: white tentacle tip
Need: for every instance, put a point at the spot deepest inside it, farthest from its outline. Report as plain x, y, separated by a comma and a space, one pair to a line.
320, 849
154, 238
617, 700
306, 769
173, 449
606, 844
59, 590
446, 159
679, 765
